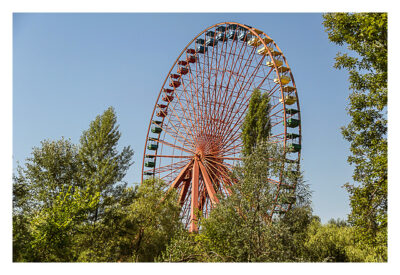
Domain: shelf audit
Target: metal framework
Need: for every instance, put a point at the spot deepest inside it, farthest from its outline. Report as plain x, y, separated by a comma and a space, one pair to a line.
193, 139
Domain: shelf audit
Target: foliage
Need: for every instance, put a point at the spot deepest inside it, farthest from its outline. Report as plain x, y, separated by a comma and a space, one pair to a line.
37, 188
60, 187
102, 168
366, 35
70, 203
256, 126
136, 229
53, 229
337, 242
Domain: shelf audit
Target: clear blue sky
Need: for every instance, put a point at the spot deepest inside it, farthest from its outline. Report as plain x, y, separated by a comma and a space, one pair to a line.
68, 68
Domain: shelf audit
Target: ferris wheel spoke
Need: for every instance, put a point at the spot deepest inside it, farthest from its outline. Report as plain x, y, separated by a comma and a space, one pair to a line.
228, 158
213, 98
175, 146
171, 156
172, 168
208, 183
222, 170
226, 62
174, 133
196, 93
231, 74
187, 131
233, 149
238, 71
189, 99
185, 109
234, 130
194, 196
181, 175
228, 117
246, 87
189, 103
217, 66
183, 193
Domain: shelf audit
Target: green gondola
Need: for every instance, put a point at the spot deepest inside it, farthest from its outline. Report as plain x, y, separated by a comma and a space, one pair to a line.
211, 42
220, 29
210, 33
201, 49
294, 147
231, 34
200, 41
221, 36
152, 146
149, 164
291, 111
292, 135
292, 122
158, 122
244, 36
156, 129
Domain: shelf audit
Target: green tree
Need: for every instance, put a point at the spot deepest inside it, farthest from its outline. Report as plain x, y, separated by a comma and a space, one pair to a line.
365, 34
137, 228
336, 242
62, 192
47, 203
102, 168
256, 126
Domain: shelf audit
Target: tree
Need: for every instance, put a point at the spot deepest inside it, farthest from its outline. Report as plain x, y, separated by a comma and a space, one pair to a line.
47, 203
102, 168
137, 228
256, 126
100, 164
366, 35
336, 242
61, 194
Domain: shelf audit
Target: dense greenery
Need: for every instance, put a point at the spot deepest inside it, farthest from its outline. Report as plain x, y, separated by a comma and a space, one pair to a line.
365, 35
70, 204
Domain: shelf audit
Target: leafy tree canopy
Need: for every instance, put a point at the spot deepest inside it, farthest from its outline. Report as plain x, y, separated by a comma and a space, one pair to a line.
365, 35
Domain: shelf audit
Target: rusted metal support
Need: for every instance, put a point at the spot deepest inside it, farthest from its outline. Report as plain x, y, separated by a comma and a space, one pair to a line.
195, 197
210, 189
180, 176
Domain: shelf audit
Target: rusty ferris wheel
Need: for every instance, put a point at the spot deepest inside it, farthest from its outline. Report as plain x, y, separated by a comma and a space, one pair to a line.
193, 139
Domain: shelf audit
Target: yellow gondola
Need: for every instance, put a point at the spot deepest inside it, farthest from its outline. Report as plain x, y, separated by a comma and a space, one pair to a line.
283, 69
257, 31
288, 99
277, 62
275, 53
255, 42
264, 50
284, 80
288, 89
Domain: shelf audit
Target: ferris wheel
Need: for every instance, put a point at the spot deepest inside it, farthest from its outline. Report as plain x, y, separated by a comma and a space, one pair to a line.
193, 139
